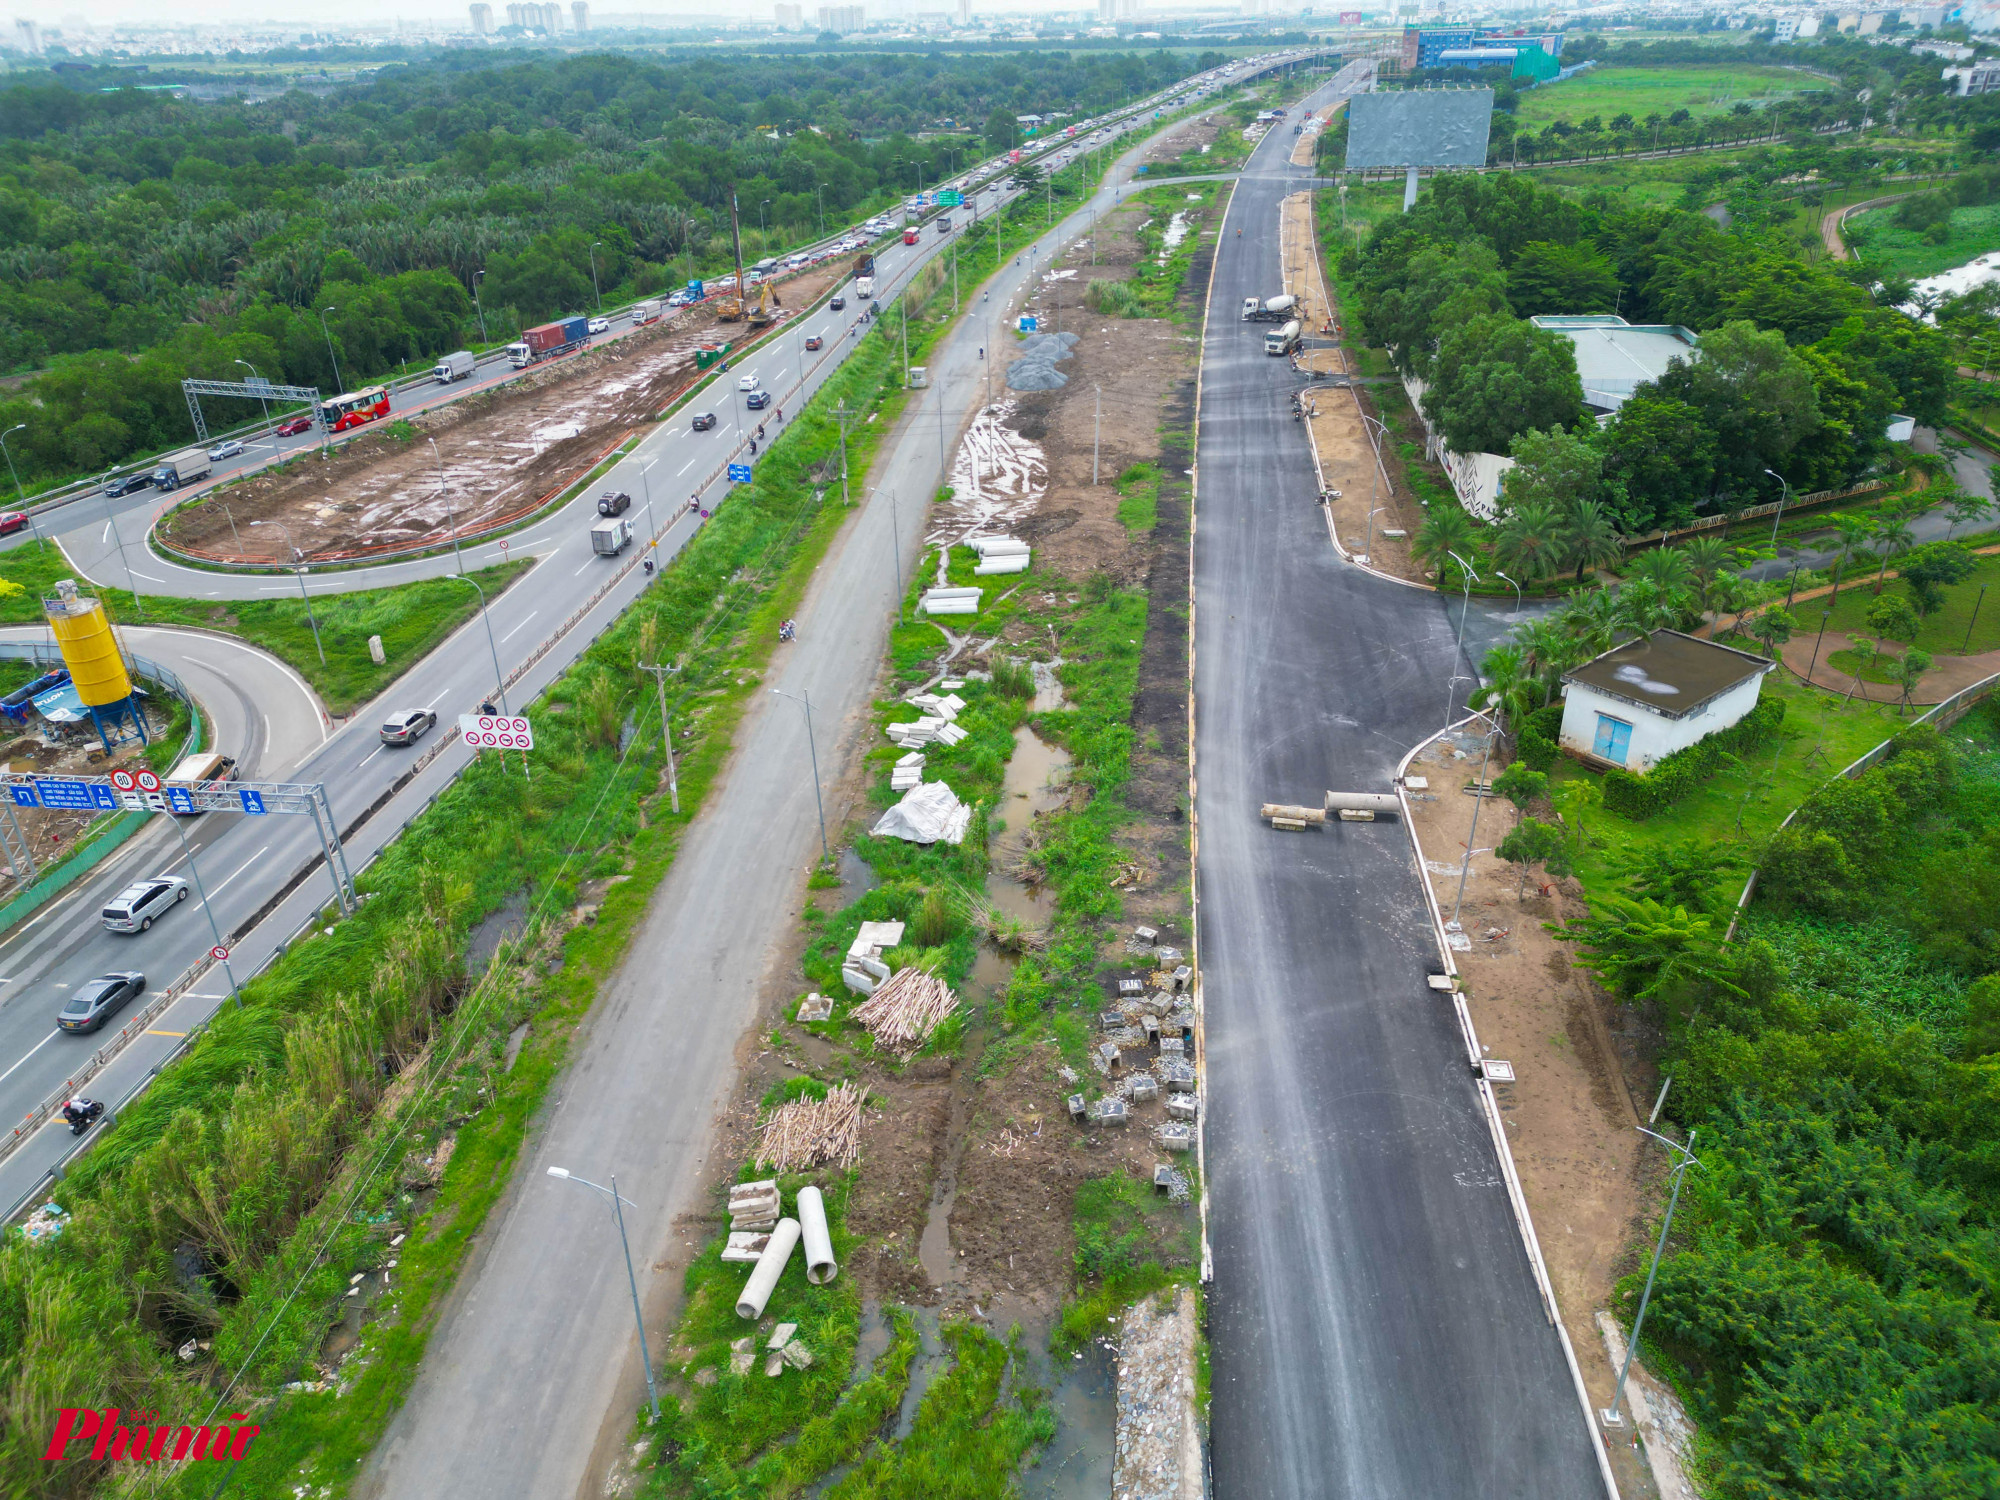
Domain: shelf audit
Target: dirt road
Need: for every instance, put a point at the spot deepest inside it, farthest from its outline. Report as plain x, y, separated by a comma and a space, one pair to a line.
1831, 226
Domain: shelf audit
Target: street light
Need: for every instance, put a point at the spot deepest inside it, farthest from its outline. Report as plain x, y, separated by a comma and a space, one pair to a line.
298, 568
451, 515
1375, 476
593, 275
118, 536
805, 698
896, 542
329, 345
498, 677
1610, 1413
763, 227
1458, 647
478, 306
618, 1212
20, 493
1517, 590
262, 401
1783, 495
208, 911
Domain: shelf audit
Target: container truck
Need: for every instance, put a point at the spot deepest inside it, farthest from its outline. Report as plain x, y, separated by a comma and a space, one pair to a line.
549, 341
1269, 309
1282, 340
609, 538
645, 312
453, 367
864, 286
185, 467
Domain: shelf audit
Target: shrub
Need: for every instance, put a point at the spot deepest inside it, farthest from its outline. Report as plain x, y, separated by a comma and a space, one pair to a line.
1640, 797
1012, 678
1114, 299
1538, 737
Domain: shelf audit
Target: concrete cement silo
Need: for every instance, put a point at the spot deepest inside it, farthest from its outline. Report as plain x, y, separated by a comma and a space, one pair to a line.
96, 663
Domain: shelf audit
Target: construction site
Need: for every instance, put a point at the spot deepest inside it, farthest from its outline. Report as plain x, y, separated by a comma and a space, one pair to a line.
467, 467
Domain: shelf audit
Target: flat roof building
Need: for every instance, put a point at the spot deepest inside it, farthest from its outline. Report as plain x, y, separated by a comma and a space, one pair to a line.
1614, 358
1640, 702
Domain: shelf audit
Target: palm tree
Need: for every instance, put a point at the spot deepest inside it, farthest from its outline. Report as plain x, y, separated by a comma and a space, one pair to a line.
1509, 687
1665, 568
1550, 648
1894, 537
1592, 621
1644, 607
1528, 542
1853, 531
1590, 538
1446, 529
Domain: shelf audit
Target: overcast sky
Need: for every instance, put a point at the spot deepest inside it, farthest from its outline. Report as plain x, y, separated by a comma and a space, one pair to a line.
307, 15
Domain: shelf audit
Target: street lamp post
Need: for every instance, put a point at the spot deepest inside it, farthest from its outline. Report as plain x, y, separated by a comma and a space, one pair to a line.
1783, 495
1375, 479
1458, 646
499, 678
478, 306
1610, 1414
1517, 591
262, 401
763, 225
631, 1280
327, 333
19, 493
451, 514
595, 290
207, 910
118, 536
805, 698
298, 567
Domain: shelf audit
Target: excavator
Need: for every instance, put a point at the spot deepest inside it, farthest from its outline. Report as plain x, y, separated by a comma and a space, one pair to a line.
763, 312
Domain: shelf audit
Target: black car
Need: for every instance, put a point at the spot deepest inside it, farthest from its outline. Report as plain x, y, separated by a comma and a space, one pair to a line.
704, 421
126, 484
837, 303
757, 400
96, 1001
613, 503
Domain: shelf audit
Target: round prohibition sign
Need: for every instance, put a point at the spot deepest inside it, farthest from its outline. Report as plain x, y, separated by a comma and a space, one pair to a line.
148, 782
125, 781
218, 953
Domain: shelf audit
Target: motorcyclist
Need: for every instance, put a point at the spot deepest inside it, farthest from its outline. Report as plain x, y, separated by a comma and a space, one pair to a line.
79, 1112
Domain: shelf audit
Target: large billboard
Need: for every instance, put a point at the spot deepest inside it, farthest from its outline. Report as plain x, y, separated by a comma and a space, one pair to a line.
1419, 128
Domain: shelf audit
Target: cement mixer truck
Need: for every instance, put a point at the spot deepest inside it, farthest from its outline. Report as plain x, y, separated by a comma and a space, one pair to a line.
1269, 309
1282, 340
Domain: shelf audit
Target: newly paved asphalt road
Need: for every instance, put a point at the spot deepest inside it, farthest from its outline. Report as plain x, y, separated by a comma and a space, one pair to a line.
1376, 1332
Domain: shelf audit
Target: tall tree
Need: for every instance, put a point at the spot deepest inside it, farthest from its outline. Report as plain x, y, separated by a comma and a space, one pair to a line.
1590, 539
1554, 279
1495, 377
1664, 453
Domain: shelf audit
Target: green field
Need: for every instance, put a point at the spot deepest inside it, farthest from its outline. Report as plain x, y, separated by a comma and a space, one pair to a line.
1889, 247
1609, 92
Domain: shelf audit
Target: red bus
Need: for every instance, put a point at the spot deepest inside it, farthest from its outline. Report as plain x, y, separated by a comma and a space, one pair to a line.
356, 407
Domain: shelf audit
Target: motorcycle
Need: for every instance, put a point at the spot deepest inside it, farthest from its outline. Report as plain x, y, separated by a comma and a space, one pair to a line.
82, 1114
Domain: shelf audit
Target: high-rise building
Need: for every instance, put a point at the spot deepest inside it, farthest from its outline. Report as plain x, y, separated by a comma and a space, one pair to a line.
790, 17
552, 17
965, 12
579, 15
482, 20
840, 18
28, 37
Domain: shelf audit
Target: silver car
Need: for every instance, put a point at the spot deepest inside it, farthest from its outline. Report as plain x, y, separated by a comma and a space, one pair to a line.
135, 908
407, 727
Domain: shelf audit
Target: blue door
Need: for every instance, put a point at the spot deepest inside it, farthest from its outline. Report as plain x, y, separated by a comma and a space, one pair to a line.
1614, 738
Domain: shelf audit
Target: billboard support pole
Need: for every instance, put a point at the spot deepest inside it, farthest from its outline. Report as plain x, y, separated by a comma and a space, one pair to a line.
1409, 189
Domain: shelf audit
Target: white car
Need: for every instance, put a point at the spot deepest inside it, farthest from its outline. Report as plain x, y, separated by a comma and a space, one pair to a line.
747, 382
227, 449
135, 908
600, 325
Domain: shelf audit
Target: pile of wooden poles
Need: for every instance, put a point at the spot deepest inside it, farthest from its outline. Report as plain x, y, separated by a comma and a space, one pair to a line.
906, 1009
814, 1132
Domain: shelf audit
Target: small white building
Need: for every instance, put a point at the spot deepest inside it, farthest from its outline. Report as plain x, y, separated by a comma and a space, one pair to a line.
1640, 702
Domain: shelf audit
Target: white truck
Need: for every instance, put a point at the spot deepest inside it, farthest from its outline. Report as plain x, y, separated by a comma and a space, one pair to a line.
1282, 340
864, 286
645, 312
1268, 309
185, 467
609, 538
457, 366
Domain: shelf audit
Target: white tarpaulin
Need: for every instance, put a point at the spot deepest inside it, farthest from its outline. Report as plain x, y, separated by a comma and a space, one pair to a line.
927, 814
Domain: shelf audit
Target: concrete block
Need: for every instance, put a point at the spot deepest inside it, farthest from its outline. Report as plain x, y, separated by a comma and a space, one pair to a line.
1182, 1106
1141, 1087
1110, 1112
745, 1246
816, 1007
1173, 1046
1111, 1057
1146, 934
1076, 1105
782, 1335
1178, 1076
1131, 987
1176, 1137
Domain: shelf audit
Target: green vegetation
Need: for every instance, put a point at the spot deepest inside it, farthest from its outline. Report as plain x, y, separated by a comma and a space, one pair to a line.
413, 619
266, 1150
1890, 246
191, 235
1139, 498
1825, 1304
1700, 90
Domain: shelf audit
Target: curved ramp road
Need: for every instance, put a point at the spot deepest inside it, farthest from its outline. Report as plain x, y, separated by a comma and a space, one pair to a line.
1376, 1333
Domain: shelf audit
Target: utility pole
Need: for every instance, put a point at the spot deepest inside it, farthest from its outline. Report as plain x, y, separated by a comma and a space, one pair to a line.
666, 733
1096, 425
1610, 1415
840, 415
903, 302
736, 239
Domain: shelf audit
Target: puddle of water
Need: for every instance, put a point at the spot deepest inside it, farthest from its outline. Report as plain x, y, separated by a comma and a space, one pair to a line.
501, 925
1076, 1465
857, 876
1036, 782
934, 1251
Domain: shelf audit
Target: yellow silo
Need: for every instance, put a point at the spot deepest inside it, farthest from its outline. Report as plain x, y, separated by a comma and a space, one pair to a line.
89, 650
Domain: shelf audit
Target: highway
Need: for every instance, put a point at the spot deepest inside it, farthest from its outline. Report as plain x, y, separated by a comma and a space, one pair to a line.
1375, 1327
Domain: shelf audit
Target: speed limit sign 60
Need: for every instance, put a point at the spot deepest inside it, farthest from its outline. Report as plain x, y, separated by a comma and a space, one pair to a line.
496, 732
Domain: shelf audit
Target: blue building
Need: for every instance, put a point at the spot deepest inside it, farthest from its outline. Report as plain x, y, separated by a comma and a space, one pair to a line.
1480, 47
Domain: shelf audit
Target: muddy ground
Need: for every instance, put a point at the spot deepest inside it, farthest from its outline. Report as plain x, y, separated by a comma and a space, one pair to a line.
1201, 131
504, 451
53, 834
1583, 1062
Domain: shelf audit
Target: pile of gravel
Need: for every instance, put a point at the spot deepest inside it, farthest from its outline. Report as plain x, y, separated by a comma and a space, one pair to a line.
1036, 369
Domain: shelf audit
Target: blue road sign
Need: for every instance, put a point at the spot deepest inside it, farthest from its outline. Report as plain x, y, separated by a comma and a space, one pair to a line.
181, 800
65, 794
253, 802
24, 796
1028, 324
739, 473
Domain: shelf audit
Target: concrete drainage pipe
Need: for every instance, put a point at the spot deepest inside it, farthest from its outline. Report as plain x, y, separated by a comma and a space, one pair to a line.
821, 1267
770, 1266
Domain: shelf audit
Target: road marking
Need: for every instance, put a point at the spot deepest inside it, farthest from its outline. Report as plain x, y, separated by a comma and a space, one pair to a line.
686, 466
107, 534
30, 1053
267, 730
297, 680
379, 748
524, 620
165, 1033
134, 572
577, 574
239, 870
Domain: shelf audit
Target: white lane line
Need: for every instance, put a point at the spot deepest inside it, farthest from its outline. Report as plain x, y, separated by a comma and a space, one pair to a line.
30, 1053
578, 573
217, 891
297, 681
517, 629
686, 466
107, 534
378, 749
147, 576
267, 731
